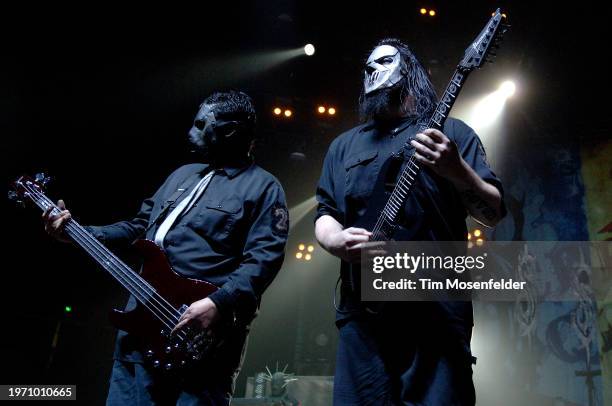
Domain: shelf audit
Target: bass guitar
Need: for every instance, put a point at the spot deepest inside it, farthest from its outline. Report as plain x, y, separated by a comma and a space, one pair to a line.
161, 294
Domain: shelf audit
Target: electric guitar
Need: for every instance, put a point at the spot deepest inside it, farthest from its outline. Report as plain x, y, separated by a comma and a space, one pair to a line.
392, 188
162, 295
397, 175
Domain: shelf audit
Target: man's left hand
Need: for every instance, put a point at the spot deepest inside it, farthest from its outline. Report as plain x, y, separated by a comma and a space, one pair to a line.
201, 314
437, 151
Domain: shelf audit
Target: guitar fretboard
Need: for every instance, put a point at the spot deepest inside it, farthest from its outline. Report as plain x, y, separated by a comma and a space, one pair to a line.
133, 282
388, 217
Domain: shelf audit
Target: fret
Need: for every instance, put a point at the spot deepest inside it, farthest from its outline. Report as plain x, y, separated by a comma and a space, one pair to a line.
393, 204
133, 282
410, 171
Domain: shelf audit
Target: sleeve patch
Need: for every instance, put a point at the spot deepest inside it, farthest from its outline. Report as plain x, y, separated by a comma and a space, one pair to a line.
280, 219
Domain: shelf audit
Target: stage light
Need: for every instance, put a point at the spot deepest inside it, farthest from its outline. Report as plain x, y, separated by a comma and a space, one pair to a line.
507, 88
423, 11
304, 251
309, 49
67, 309
479, 242
288, 113
432, 13
277, 111
331, 111
469, 236
477, 233
489, 108
321, 109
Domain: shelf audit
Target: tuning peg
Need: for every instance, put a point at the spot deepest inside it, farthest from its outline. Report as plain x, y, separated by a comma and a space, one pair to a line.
42, 179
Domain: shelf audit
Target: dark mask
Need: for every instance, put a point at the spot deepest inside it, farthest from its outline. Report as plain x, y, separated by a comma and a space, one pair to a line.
221, 140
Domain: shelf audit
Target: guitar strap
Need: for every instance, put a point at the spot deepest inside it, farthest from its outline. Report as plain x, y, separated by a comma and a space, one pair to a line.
186, 185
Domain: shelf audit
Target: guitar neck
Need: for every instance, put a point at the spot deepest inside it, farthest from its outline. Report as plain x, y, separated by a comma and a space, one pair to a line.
448, 98
130, 280
388, 217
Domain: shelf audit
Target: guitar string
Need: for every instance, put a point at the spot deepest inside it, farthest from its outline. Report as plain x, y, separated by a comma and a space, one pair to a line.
114, 267
457, 80
87, 245
168, 320
377, 230
388, 208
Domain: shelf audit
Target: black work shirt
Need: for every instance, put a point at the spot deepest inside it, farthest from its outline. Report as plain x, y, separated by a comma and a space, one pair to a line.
233, 237
434, 210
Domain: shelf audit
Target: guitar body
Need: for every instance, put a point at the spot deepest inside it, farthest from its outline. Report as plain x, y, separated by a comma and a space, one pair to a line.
161, 350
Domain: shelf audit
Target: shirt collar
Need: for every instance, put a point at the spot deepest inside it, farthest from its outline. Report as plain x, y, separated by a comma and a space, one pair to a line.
232, 170
394, 127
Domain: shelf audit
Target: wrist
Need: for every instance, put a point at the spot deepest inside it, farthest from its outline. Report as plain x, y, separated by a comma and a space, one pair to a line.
462, 178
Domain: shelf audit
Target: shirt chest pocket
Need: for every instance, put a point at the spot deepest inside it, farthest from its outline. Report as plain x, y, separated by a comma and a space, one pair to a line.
217, 217
361, 172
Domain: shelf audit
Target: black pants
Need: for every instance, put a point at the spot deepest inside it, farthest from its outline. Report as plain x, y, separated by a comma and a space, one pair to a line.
394, 361
132, 384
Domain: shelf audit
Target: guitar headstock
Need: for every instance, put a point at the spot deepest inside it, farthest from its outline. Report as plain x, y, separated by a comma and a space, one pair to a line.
483, 47
25, 187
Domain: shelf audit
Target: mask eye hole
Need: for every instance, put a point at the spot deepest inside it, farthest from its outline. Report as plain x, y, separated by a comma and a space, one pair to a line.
385, 60
199, 124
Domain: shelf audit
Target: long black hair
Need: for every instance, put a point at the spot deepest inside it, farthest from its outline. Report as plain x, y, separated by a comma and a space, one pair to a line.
415, 84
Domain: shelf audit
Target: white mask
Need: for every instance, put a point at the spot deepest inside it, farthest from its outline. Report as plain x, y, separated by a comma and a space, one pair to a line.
384, 68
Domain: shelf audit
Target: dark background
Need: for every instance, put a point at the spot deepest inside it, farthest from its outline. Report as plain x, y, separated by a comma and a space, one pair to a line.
101, 97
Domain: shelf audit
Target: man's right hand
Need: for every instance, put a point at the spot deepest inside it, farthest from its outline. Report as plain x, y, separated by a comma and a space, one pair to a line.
55, 223
347, 244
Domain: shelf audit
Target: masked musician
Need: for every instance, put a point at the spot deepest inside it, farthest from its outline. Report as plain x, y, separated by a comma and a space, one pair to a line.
224, 221
409, 353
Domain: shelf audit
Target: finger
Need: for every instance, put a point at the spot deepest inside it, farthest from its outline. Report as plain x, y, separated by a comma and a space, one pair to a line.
60, 221
424, 160
357, 230
357, 247
436, 135
356, 239
186, 315
61, 204
374, 244
179, 325
427, 141
424, 151
47, 213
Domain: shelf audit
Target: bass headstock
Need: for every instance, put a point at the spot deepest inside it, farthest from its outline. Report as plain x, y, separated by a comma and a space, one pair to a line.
26, 188
483, 48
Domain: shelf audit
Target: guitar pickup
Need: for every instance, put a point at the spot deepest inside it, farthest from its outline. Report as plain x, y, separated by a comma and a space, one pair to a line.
183, 309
